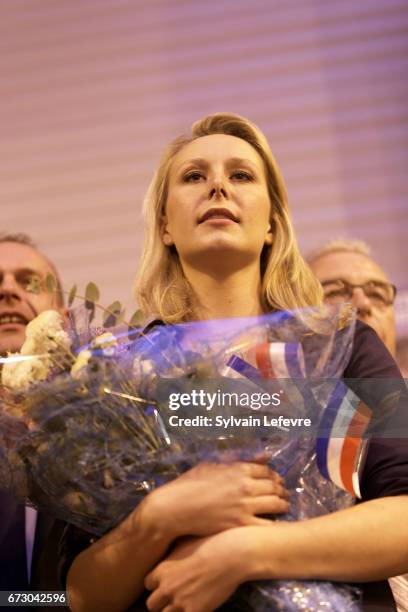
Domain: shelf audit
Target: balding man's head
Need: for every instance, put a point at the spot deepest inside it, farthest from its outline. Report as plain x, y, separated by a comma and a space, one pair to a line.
349, 273
21, 264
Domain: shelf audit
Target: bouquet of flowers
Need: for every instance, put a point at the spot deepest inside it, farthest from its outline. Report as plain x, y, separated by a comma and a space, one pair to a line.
88, 419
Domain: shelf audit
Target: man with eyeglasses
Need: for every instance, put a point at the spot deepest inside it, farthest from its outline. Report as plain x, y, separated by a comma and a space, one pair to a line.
349, 274
28, 540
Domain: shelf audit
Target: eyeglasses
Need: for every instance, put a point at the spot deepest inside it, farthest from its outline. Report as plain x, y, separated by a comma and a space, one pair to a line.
380, 294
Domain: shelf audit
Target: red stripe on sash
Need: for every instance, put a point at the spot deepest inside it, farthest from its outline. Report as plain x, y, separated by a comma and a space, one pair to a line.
263, 360
352, 443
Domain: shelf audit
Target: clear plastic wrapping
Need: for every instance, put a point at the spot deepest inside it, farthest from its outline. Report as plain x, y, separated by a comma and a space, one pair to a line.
93, 438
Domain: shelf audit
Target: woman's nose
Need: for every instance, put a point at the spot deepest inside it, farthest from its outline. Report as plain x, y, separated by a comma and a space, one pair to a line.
218, 189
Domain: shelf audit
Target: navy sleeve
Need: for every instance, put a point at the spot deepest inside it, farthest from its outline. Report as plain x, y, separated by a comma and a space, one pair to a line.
385, 470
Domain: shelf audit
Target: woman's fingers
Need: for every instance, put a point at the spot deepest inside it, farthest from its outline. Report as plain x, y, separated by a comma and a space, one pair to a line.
157, 601
151, 582
263, 486
260, 470
261, 457
235, 469
260, 522
268, 504
212, 497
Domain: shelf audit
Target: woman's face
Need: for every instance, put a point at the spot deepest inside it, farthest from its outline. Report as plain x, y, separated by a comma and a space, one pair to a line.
218, 207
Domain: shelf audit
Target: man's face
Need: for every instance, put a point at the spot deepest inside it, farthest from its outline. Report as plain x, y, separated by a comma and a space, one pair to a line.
359, 269
20, 264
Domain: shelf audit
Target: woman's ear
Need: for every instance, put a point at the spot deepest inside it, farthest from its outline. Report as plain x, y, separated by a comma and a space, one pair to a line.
165, 234
269, 236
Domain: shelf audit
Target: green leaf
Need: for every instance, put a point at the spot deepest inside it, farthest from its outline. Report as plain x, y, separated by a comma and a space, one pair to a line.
92, 293
72, 294
121, 317
112, 314
109, 320
115, 307
137, 319
91, 307
50, 283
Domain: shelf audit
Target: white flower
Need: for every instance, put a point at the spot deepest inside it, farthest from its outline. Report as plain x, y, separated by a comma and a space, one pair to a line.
106, 342
45, 338
80, 363
29, 347
48, 322
46, 334
62, 341
20, 374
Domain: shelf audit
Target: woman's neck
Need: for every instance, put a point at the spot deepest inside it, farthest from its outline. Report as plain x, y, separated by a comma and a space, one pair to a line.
220, 296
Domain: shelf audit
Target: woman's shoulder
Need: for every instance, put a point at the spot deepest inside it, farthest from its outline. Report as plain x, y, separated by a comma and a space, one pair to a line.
385, 471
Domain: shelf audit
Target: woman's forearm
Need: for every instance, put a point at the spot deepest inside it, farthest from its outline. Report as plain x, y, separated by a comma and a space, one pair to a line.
207, 499
109, 574
366, 542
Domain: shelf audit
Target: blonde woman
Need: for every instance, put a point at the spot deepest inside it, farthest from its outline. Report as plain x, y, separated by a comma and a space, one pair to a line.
219, 243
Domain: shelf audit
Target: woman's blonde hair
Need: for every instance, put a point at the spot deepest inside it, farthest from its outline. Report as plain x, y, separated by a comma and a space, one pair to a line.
161, 287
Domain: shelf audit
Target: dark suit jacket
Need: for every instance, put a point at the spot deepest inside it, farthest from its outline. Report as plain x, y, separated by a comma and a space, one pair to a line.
13, 561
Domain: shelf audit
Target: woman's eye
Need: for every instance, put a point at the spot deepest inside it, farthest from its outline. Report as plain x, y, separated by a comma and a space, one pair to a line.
241, 175
193, 177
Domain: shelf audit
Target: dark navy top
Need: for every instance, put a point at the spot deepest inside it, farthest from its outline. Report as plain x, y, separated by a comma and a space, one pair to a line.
385, 472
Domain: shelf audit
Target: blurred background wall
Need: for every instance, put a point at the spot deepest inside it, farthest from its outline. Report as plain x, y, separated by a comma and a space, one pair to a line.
92, 90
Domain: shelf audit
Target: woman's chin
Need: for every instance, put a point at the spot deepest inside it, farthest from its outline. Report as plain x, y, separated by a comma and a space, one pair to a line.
219, 255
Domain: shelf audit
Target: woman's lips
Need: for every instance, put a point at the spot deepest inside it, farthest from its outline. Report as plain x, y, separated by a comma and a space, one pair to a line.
218, 220
218, 214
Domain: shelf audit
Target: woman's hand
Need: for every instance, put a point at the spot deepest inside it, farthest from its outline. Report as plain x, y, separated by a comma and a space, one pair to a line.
199, 575
211, 497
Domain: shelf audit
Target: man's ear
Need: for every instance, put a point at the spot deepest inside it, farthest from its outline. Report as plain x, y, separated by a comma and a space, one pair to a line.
165, 234
64, 313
